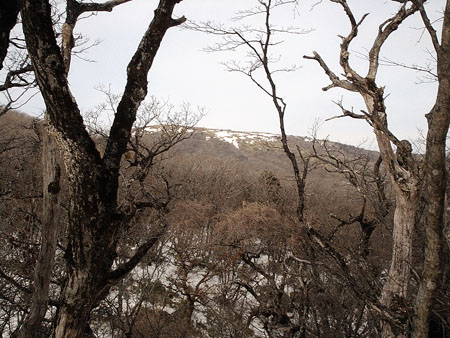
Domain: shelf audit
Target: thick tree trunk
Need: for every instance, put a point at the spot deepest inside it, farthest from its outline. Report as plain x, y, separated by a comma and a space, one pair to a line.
435, 185
434, 195
400, 268
395, 288
89, 254
80, 297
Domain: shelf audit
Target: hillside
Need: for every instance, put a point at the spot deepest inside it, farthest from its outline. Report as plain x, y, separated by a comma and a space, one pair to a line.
252, 154
260, 151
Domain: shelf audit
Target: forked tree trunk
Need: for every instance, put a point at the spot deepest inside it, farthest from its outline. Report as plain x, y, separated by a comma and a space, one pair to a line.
51, 184
95, 223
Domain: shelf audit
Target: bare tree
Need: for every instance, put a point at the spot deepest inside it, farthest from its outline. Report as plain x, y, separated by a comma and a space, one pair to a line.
259, 69
95, 219
51, 218
403, 170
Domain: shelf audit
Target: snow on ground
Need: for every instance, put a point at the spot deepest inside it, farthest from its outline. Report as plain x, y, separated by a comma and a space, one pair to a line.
236, 137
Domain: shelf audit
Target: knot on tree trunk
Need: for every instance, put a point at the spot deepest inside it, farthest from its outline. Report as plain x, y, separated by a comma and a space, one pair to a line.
54, 187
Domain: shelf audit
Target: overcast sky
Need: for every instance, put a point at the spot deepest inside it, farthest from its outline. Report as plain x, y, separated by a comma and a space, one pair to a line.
184, 73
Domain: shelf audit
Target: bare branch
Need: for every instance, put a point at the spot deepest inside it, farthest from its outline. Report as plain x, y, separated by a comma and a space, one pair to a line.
344, 54
107, 6
122, 270
16, 74
136, 87
335, 81
428, 25
428, 69
73, 11
384, 31
348, 113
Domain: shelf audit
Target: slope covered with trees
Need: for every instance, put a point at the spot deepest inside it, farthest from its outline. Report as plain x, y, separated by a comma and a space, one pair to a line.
233, 260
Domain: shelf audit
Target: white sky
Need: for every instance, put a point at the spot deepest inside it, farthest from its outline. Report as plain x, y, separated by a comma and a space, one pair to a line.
184, 73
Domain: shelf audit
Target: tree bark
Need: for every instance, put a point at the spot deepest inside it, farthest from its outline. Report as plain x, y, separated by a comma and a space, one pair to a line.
395, 289
399, 271
435, 184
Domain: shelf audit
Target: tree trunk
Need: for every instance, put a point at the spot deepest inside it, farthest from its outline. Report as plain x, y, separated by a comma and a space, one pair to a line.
80, 297
399, 271
395, 288
49, 236
435, 185
93, 228
403, 173
434, 195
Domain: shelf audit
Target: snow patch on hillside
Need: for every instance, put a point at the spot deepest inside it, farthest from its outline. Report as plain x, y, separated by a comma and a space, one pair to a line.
237, 137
